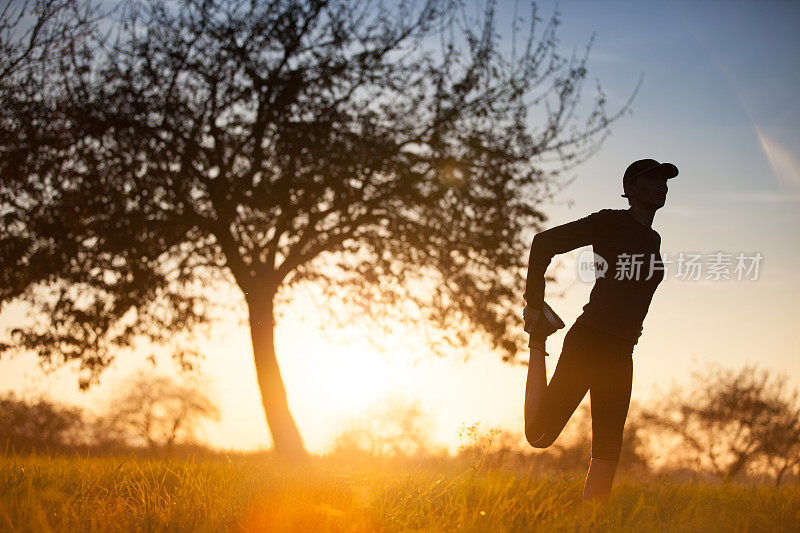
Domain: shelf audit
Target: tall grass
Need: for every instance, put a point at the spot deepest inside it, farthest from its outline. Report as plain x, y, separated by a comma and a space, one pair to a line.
41, 493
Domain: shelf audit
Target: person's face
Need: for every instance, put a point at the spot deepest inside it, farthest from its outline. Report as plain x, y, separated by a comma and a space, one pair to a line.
651, 189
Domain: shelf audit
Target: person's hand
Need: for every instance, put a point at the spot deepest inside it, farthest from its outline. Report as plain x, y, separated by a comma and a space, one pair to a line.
530, 315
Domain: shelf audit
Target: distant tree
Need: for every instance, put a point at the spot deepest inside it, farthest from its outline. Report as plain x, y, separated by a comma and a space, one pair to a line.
393, 426
394, 152
732, 419
158, 410
779, 440
41, 425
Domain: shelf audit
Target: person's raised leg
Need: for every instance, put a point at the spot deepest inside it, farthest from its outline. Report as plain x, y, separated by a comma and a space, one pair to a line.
535, 384
545, 421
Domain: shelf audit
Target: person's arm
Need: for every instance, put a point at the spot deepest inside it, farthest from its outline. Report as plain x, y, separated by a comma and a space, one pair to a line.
553, 241
547, 244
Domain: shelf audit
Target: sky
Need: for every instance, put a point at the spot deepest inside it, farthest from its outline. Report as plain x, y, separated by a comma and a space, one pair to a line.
718, 99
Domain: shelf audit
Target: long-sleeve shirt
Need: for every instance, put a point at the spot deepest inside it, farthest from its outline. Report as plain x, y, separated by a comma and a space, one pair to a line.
621, 297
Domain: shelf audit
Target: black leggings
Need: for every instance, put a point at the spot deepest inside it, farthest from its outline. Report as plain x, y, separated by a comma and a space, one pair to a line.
602, 364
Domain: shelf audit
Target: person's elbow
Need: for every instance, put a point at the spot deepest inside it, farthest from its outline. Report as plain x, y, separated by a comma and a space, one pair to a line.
541, 254
541, 242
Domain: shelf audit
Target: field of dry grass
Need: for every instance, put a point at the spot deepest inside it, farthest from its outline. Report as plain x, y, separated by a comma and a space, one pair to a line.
42, 493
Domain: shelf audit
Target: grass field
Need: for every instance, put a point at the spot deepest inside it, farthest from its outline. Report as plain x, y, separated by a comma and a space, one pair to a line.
261, 494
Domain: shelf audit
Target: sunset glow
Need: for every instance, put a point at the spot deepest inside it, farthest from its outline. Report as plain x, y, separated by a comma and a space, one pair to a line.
303, 265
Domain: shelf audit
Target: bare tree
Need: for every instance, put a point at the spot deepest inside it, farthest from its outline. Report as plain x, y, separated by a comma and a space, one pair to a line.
40, 425
157, 409
33, 34
732, 419
371, 149
779, 448
393, 426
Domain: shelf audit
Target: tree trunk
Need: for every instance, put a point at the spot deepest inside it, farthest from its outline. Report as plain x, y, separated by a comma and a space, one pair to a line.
736, 467
285, 436
781, 472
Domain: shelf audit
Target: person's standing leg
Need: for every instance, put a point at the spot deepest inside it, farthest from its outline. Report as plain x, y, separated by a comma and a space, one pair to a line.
599, 480
610, 394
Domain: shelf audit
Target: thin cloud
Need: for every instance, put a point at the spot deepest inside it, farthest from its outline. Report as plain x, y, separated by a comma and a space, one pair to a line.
765, 197
784, 163
759, 197
748, 197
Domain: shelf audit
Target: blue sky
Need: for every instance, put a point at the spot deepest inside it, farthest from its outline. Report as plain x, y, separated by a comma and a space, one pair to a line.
718, 99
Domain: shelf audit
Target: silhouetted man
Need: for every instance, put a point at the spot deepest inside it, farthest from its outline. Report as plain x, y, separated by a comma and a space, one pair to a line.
597, 354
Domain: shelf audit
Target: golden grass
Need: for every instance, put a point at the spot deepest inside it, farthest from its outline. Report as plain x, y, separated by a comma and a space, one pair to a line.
260, 494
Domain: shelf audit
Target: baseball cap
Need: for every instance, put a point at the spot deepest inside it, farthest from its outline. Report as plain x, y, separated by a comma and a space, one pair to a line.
644, 166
